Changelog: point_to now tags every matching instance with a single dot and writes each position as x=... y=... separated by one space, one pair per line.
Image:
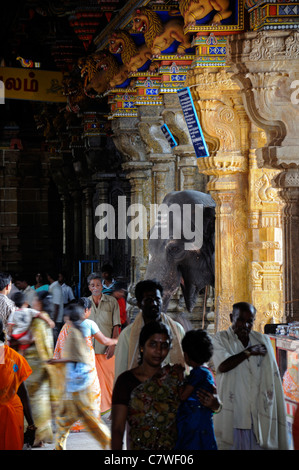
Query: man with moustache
x=253 y=414
x=148 y=294
x=105 y=313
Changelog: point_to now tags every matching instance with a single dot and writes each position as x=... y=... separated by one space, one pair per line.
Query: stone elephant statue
x=173 y=261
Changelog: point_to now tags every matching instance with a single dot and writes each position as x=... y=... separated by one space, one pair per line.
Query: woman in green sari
x=146 y=398
x=42 y=384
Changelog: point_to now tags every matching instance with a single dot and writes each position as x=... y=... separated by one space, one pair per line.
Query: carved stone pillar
x=138 y=173
x=266 y=65
x=88 y=226
x=162 y=171
x=137 y=170
x=101 y=197
x=158 y=151
x=265 y=245
x=227 y=186
x=225 y=125
x=187 y=176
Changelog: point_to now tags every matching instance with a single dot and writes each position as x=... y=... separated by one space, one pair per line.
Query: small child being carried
x=19 y=323
x=198 y=395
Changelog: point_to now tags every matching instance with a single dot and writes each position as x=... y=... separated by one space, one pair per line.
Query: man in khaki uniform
x=105 y=313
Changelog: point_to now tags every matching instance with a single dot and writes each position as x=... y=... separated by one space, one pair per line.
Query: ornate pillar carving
x=265 y=244
x=265 y=65
x=187 y=176
x=225 y=125
x=137 y=170
x=138 y=173
x=158 y=151
x=227 y=186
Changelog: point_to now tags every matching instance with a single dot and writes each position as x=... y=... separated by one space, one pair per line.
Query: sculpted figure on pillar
x=127 y=139
x=98 y=70
x=210 y=11
x=269 y=89
x=133 y=57
x=160 y=36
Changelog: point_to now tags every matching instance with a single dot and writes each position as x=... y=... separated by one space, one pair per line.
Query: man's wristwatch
x=247 y=353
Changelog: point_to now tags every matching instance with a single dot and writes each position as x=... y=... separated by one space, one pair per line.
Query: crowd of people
x=69 y=361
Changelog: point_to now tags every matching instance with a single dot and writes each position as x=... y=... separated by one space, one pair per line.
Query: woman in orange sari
x=14 y=401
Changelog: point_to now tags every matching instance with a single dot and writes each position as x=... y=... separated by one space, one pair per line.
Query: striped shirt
x=7 y=307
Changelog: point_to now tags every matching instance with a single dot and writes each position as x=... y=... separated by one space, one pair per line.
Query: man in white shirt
x=57 y=299
x=148 y=294
x=253 y=415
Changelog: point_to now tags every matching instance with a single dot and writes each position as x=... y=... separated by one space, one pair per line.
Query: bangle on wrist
x=218 y=410
x=247 y=353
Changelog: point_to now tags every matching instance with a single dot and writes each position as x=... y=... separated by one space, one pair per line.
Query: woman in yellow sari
x=43 y=382
x=14 y=401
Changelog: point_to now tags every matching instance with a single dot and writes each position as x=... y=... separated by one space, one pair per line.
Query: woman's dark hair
x=198 y=345
x=150 y=329
x=75 y=313
x=84 y=302
x=45 y=298
x=146 y=286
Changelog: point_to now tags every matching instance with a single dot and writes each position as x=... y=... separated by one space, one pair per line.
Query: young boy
x=19 y=323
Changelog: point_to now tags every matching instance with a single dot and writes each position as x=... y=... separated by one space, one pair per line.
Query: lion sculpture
x=99 y=70
x=74 y=92
x=134 y=57
x=159 y=36
x=192 y=10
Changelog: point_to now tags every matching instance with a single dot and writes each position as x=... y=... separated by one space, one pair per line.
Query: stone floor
x=82 y=440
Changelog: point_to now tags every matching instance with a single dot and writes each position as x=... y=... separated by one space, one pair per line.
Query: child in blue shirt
x=198 y=396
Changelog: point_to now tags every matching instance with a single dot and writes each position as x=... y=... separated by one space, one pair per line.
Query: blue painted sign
x=171 y=140
x=194 y=127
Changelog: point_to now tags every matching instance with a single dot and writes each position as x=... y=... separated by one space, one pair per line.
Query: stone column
x=138 y=174
x=158 y=151
x=88 y=226
x=227 y=186
x=219 y=104
x=137 y=170
x=101 y=197
x=265 y=244
x=265 y=64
